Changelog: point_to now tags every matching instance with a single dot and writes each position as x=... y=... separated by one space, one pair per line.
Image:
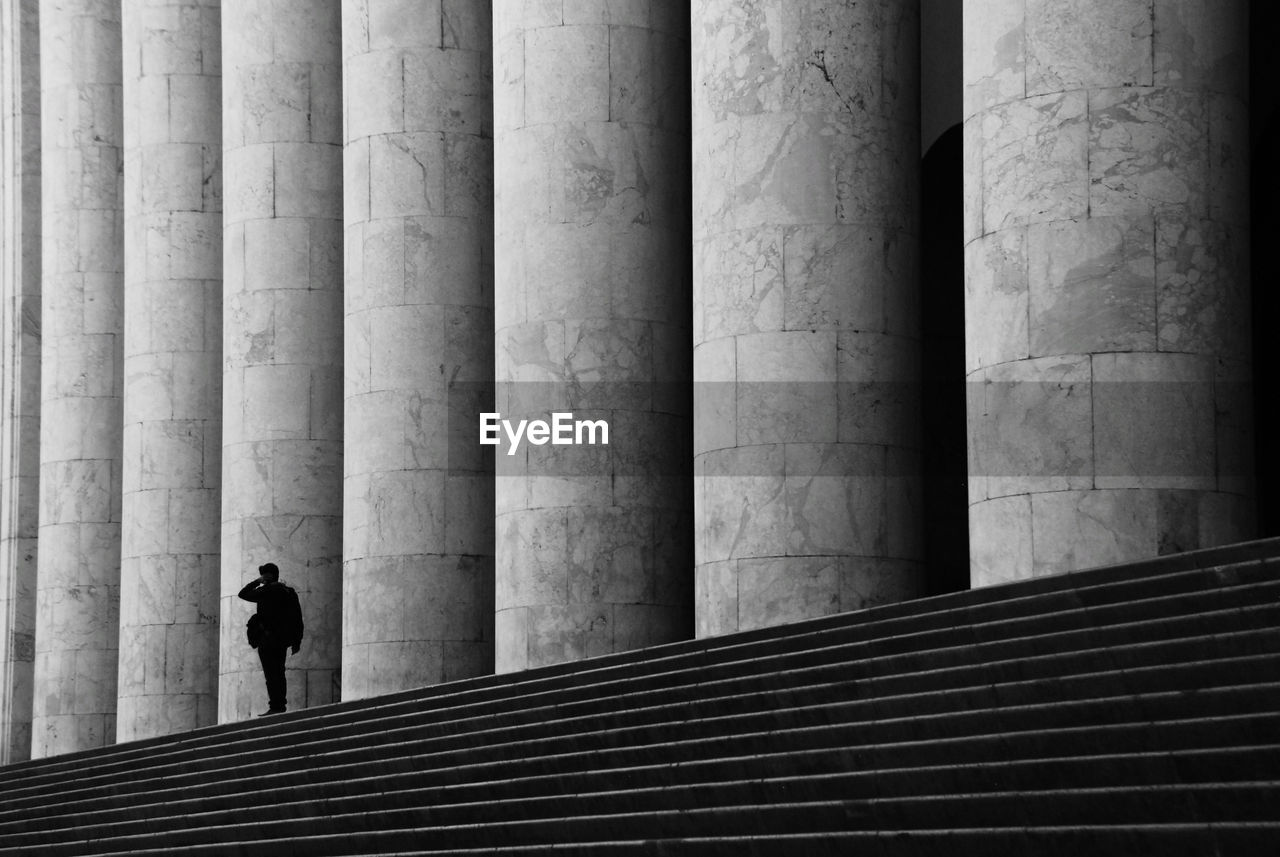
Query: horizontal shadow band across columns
x=1034 y=428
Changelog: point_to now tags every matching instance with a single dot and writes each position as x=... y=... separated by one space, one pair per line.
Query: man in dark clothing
x=276 y=627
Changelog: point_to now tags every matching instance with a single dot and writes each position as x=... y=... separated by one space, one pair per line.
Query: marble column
x=282 y=336
x=1107 y=279
x=78 y=590
x=806 y=317
x=417 y=502
x=20 y=382
x=593 y=541
x=169 y=568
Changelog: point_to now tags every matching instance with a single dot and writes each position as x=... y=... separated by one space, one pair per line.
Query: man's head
x=269 y=571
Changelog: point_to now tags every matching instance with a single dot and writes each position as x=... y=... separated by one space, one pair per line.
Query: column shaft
x=77 y=599
x=1107 y=281
x=282 y=334
x=806 y=316
x=418 y=501
x=173 y=344
x=593 y=544
x=20 y=382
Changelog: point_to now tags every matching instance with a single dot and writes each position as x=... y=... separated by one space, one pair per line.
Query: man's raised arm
x=250 y=590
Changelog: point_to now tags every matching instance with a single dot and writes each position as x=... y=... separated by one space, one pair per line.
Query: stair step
x=986 y=691
x=953 y=611
x=766 y=820
x=837 y=658
x=1173 y=840
x=1135 y=708
x=622 y=810
x=869 y=756
x=1148 y=802
x=491 y=781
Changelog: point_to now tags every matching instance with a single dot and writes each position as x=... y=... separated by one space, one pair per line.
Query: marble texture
x=806 y=309
x=591 y=211
x=1107 y=281
x=1092 y=286
x=1033 y=161
x=168 y=675
x=418 y=223
x=1084 y=44
x=20 y=381
x=281 y=455
x=78 y=590
x=1031 y=427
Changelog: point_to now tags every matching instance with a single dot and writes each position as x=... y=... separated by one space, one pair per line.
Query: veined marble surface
x=418 y=213
x=591 y=170
x=78 y=590
x=282 y=325
x=173 y=375
x=806 y=308
x=1107 y=281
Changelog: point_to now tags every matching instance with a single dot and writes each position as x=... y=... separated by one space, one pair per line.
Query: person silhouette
x=273 y=629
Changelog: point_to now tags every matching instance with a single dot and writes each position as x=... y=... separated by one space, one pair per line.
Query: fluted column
x=173 y=377
x=591 y=304
x=282 y=334
x=78 y=593
x=418 y=502
x=806 y=341
x=1107 y=280
x=20 y=382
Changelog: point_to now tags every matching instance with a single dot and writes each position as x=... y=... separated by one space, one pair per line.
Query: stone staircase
x=1127 y=710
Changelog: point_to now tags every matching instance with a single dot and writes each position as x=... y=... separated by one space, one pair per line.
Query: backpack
x=255 y=630
x=286 y=627
x=291 y=619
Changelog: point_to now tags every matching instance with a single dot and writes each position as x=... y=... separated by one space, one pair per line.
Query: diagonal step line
x=715 y=646
x=988 y=737
x=1146 y=705
x=333 y=812
x=302 y=845
x=299 y=752
x=1180 y=752
x=776 y=796
x=381 y=784
x=805 y=843
x=348 y=794
x=398 y=748
x=531 y=700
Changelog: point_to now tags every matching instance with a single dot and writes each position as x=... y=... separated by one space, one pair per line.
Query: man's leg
x=272 y=658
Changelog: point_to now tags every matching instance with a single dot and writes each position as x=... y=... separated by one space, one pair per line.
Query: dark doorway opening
x=1265 y=264
x=946 y=499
